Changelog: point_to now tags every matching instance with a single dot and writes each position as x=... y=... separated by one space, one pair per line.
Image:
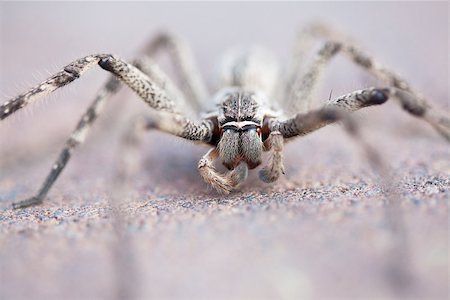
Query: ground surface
x=320 y=232
x=323 y=227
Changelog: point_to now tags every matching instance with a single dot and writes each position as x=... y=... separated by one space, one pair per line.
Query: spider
x=246 y=119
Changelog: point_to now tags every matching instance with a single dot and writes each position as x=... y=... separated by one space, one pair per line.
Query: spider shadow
x=169 y=165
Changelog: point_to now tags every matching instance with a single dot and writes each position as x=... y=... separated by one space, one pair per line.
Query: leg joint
x=106 y=63
x=74 y=71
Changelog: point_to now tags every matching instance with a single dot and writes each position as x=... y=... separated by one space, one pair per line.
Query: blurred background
x=320 y=232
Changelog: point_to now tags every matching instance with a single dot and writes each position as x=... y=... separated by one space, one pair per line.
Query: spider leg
x=272 y=171
x=192 y=83
x=149 y=67
x=305 y=40
x=223 y=183
x=305 y=123
x=135 y=79
x=149 y=91
x=129 y=157
x=301 y=88
x=76 y=138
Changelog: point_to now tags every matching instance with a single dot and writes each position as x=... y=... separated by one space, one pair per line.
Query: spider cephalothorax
x=244 y=123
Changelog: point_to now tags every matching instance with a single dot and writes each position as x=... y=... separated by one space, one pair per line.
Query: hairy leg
x=301 y=90
x=192 y=82
x=149 y=67
x=272 y=171
x=140 y=83
x=223 y=183
x=76 y=138
x=304 y=43
x=166 y=122
x=150 y=92
x=301 y=124
x=305 y=123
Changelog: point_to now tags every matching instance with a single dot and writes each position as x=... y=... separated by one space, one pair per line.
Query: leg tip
x=26 y=203
x=379 y=96
x=267 y=176
x=239 y=174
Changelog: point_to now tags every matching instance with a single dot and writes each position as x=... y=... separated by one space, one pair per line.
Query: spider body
x=247 y=80
x=240 y=122
x=257 y=108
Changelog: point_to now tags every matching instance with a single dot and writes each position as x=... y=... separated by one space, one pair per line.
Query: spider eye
x=253 y=128
x=229 y=129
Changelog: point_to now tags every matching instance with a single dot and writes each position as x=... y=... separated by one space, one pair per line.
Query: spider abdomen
x=251 y=68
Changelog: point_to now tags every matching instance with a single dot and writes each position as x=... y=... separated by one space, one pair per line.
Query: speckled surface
x=324 y=223
x=320 y=232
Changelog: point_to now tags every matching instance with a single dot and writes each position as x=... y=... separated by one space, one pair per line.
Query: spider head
x=240 y=128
